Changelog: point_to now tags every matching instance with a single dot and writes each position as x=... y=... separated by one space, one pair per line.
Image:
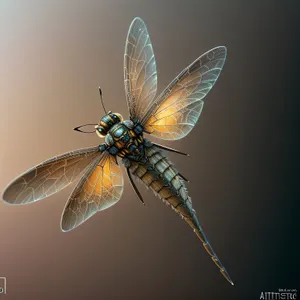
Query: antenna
x=100 y=92
x=78 y=128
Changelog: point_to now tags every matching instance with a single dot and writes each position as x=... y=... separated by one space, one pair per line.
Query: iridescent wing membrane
x=100 y=187
x=174 y=113
x=49 y=177
x=140 y=76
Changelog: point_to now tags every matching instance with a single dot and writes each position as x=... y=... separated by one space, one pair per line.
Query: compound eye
x=100 y=131
x=119 y=116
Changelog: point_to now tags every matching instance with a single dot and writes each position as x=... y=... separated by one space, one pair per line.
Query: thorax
x=124 y=138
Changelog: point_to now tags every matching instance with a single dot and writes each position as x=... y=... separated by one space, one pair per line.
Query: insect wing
x=175 y=112
x=140 y=75
x=49 y=177
x=100 y=188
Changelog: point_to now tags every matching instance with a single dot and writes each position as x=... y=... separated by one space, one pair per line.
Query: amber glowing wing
x=100 y=188
x=175 y=112
x=140 y=75
x=49 y=177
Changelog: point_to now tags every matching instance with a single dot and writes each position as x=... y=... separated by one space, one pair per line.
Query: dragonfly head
x=107 y=122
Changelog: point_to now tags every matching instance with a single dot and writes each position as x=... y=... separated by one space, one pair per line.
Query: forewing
x=49 y=177
x=140 y=75
x=175 y=112
x=100 y=188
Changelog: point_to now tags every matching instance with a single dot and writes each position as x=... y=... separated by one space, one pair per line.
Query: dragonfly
x=169 y=116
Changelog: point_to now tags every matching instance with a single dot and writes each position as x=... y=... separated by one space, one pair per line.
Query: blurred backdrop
x=243 y=165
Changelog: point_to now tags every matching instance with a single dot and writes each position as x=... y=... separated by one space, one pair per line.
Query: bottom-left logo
x=2 y=286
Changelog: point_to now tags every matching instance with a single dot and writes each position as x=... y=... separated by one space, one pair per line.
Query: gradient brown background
x=242 y=168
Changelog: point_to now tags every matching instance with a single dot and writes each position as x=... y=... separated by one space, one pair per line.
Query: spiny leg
x=169 y=149
x=134 y=186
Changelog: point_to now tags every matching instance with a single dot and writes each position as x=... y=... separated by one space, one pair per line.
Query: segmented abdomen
x=160 y=175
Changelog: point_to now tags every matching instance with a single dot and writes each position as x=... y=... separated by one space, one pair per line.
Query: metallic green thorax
x=125 y=139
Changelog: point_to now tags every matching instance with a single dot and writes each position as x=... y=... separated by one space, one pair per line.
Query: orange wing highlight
x=176 y=111
x=100 y=188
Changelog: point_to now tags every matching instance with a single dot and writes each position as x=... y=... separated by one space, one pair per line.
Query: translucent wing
x=100 y=188
x=175 y=112
x=49 y=177
x=140 y=75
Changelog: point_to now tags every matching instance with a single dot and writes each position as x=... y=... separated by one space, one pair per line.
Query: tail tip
x=226 y=275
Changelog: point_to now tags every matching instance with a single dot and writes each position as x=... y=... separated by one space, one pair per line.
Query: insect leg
x=134 y=186
x=183 y=177
x=169 y=149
